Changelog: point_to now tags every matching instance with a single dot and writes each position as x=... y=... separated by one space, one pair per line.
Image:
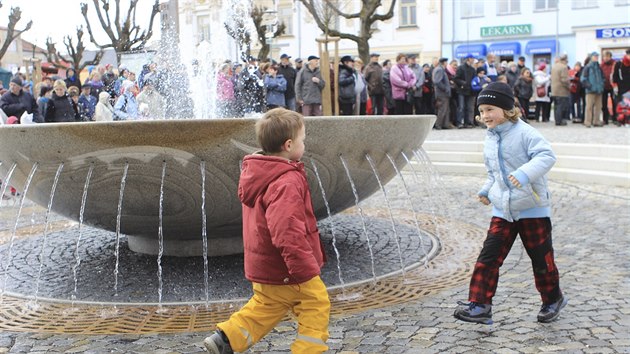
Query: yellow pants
x=270 y=303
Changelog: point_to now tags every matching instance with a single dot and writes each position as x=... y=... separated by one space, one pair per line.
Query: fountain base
x=228 y=242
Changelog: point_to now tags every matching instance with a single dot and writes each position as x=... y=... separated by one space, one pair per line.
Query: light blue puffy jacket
x=517 y=149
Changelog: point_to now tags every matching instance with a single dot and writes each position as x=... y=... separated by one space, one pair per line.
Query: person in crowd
x=126 y=107
x=308 y=88
x=542 y=82
x=45 y=93
x=298 y=64
x=60 y=106
x=621 y=76
x=360 y=88
x=151 y=104
x=225 y=92
x=374 y=78
x=442 y=88
x=282 y=247
x=123 y=74
x=503 y=68
x=87 y=102
x=16 y=101
x=451 y=71
x=251 y=87
x=512 y=73
x=480 y=81
x=560 y=86
x=143 y=72
x=518 y=159
x=466 y=99
x=524 y=90
x=502 y=78
x=592 y=80
x=74 y=93
x=289 y=73
x=96 y=84
x=521 y=64
x=387 y=88
x=104 y=111
x=109 y=80
x=576 y=96
x=427 y=90
x=417 y=90
x=275 y=87
x=238 y=108
x=72 y=79
x=607 y=65
x=492 y=72
x=403 y=82
x=347 y=83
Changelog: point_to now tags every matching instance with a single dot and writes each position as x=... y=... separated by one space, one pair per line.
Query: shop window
x=285 y=15
x=622 y=2
x=408 y=13
x=507 y=7
x=472 y=8
x=584 y=4
x=542 y=5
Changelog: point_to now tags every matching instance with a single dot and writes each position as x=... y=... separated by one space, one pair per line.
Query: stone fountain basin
x=183 y=144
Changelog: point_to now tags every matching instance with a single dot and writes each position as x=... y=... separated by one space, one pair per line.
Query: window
x=622 y=2
x=584 y=4
x=472 y=8
x=408 y=13
x=546 y=5
x=506 y=7
x=285 y=15
x=203 y=28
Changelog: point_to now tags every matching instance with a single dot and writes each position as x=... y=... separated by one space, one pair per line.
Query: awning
x=542 y=46
x=505 y=48
x=477 y=50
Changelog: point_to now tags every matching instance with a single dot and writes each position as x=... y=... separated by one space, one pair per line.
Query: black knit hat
x=497 y=94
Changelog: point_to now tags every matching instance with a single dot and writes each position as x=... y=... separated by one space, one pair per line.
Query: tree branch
x=12 y=34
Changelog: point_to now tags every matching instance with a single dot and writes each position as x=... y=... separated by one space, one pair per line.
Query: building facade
x=536 y=29
x=414 y=28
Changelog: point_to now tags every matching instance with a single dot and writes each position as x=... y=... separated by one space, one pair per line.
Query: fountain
x=127 y=160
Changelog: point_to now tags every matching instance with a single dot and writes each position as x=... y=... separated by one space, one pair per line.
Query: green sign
x=499 y=31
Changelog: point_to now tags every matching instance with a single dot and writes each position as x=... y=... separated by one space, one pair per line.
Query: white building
x=535 y=29
x=415 y=28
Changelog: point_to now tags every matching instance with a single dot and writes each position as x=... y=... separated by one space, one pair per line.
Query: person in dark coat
x=524 y=90
x=466 y=98
x=347 y=95
x=72 y=79
x=60 y=108
x=289 y=73
x=374 y=77
x=387 y=88
x=16 y=101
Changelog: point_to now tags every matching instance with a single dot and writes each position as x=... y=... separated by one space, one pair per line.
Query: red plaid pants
x=536 y=236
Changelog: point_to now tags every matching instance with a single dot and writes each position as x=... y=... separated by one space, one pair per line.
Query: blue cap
x=469 y=56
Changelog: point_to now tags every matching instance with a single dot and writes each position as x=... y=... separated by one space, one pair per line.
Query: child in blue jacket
x=518 y=159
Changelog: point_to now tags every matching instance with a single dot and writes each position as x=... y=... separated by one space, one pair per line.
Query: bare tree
x=261 y=31
x=12 y=33
x=241 y=35
x=325 y=12
x=75 y=54
x=124 y=34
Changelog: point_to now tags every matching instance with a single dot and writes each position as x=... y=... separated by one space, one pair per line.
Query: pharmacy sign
x=501 y=31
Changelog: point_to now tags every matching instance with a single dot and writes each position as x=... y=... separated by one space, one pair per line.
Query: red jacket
x=280 y=237
x=607 y=69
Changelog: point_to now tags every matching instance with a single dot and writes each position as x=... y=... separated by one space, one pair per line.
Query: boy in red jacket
x=283 y=251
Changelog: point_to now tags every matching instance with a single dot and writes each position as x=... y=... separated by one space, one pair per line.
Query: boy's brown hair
x=276 y=127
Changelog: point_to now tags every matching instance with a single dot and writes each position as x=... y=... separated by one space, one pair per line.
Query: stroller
x=623 y=109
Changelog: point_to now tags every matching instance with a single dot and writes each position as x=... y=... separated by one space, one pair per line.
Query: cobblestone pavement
x=592 y=245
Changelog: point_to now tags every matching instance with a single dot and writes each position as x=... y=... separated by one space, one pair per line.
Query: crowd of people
x=580 y=93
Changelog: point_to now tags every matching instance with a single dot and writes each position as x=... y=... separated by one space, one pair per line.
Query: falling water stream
x=356 y=202
x=46 y=224
x=204 y=238
x=331 y=222
x=411 y=207
x=391 y=214
x=77 y=256
x=17 y=220
x=161 y=237
x=123 y=181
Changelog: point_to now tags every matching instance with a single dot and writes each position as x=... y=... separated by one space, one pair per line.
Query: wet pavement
x=592 y=245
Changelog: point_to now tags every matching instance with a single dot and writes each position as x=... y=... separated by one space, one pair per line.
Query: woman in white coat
x=542 y=82
x=104 y=111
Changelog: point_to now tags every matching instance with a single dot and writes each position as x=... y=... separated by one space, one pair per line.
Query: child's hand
x=484 y=200
x=514 y=181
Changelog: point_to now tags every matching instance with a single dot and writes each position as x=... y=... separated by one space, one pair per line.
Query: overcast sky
x=59 y=18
